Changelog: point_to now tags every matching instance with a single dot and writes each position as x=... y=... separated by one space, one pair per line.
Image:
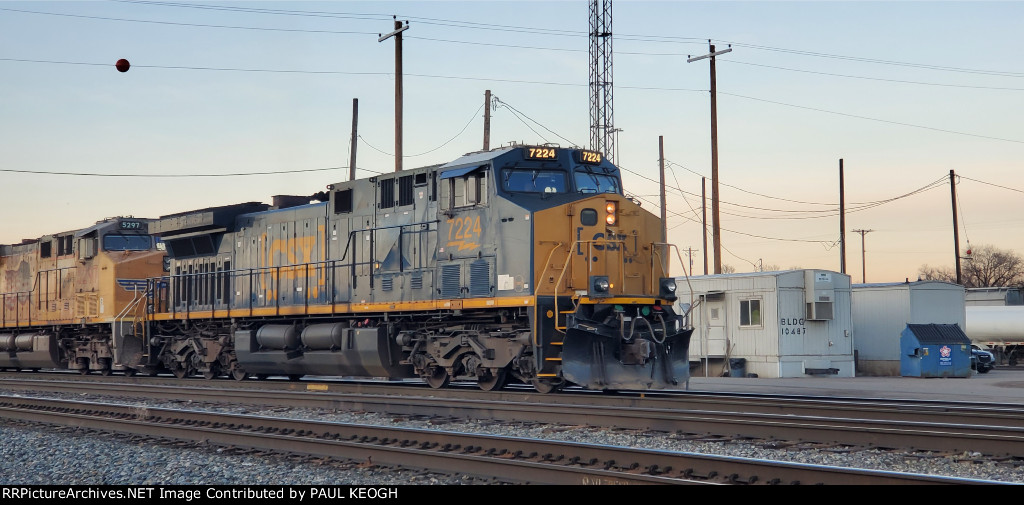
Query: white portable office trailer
x=793 y=323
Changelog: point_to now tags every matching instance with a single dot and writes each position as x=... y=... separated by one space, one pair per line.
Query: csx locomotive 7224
x=523 y=263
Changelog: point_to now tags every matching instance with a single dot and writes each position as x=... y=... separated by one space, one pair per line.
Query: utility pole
x=842 y=220
x=664 y=210
x=956 y=229
x=397 y=34
x=355 y=137
x=487 y=120
x=863 y=273
x=716 y=231
x=704 y=219
x=689 y=254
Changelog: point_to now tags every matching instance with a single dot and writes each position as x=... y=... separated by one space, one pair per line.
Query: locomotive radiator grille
x=451 y=281
x=480 y=278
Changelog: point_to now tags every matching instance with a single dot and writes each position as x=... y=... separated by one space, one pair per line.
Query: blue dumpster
x=934 y=350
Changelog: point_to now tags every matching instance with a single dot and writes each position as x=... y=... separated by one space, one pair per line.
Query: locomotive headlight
x=611 y=210
x=667 y=289
x=599 y=285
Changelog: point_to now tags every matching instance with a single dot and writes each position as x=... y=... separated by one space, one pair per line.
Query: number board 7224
x=541 y=153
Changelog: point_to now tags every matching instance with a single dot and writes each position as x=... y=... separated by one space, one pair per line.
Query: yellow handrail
x=565 y=267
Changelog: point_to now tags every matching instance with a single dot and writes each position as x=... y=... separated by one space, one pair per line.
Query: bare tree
x=927 y=273
x=987 y=266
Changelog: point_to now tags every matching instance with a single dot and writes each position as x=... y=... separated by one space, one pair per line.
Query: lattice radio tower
x=602 y=120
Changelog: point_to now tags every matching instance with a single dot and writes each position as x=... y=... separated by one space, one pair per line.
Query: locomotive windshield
x=535 y=181
x=118 y=242
x=588 y=182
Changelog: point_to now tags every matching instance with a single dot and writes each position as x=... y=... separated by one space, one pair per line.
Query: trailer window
x=750 y=312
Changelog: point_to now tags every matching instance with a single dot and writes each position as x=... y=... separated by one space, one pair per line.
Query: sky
x=229 y=101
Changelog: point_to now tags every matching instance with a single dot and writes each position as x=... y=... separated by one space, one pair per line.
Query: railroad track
x=508 y=459
x=992 y=430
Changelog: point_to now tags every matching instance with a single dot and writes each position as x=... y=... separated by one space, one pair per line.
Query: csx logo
x=607 y=244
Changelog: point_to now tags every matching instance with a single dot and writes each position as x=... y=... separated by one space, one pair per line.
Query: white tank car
x=998 y=327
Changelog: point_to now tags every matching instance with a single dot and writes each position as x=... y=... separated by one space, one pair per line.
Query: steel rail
x=511 y=459
x=902 y=429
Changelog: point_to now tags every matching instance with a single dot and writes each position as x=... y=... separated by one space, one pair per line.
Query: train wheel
x=493 y=381
x=295 y=377
x=437 y=377
x=83 y=371
x=213 y=371
x=261 y=376
x=545 y=386
x=238 y=374
x=106 y=370
x=130 y=372
x=180 y=372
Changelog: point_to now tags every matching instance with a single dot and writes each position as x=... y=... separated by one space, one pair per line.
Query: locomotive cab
x=588 y=256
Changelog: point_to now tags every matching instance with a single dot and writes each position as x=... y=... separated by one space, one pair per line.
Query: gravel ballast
x=56 y=455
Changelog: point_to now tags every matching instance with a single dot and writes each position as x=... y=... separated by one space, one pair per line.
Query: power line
x=748 y=191
x=875 y=78
x=875 y=119
x=562 y=32
x=457 y=135
x=519 y=81
x=517 y=113
x=877 y=61
x=195 y=25
x=990 y=184
x=236 y=174
x=859 y=206
x=498 y=27
x=736 y=231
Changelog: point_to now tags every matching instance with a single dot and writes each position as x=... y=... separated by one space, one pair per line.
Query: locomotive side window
x=343 y=201
x=64 y=245
x=464 y=191
x=45 y=249
x=589 y=182
x=114 y=242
